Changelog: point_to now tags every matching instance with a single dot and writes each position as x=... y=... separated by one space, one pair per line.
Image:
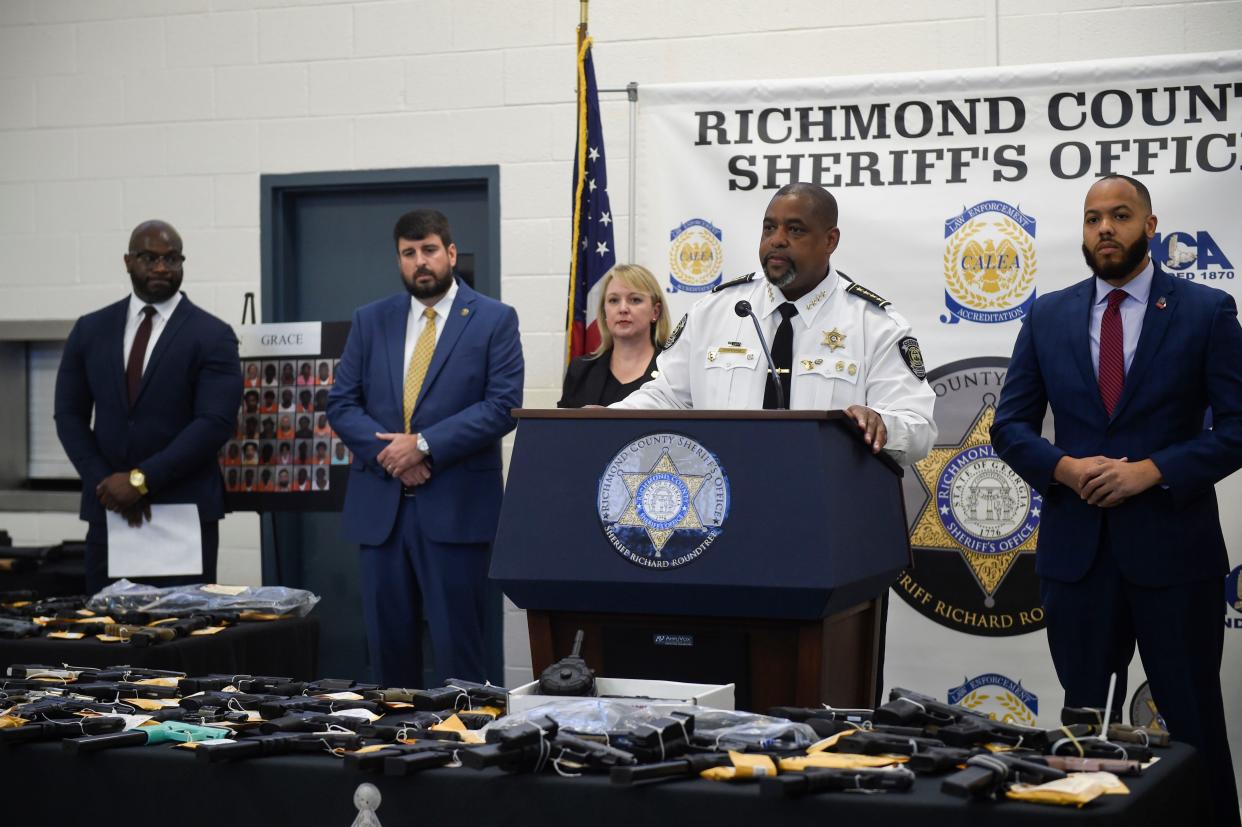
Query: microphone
x=743 y=309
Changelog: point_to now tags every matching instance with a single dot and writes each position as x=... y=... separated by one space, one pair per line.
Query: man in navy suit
x=423 y=395
x=164 y=382
x=1130 y=545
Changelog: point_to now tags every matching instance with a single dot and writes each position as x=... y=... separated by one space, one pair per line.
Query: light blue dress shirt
x=1133 y=308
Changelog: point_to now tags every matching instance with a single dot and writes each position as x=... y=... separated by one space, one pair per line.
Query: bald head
x=154 y=229
x=154 y=261
x=823 y=205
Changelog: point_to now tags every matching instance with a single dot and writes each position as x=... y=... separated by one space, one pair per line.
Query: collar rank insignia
x=834 y=339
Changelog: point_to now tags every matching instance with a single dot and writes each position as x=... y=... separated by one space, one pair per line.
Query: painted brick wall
x=113 y=111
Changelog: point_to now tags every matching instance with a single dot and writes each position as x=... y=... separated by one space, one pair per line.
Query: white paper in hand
x=170 y=543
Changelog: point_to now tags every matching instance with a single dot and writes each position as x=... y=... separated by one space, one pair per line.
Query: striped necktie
x=420 y=360
x=1112 y=352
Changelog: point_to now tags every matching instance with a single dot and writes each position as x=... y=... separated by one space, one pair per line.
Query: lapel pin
x=1160 y=303
x=465 y=311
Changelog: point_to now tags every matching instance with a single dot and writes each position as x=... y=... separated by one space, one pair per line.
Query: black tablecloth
x=289 y=648
x=148 y=785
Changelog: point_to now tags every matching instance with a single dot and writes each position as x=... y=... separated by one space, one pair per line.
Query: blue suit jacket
x=1189 y=358
x=185 y=410
x=463 y=409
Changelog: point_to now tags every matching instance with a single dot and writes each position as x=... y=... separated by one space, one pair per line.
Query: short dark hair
x=823 y=204
x=1138 y=185
x=417 y=224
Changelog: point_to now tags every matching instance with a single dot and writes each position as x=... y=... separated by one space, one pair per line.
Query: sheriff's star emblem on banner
x=977 y=506
x=662 y=501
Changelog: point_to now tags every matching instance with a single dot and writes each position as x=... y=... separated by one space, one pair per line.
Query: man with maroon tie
x=1132 y=361
x=162 y=379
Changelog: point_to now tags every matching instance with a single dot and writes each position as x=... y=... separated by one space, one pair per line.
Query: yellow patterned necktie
x=420 y=360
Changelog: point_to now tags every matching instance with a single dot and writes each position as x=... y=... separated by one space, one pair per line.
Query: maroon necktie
x=137 y=353
x=1112 y=352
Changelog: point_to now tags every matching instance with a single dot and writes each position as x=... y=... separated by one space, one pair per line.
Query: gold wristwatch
x=138 y=480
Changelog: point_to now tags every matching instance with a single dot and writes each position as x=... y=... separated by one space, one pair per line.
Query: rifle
x=798 y=784
x=140 y=736
x=986 y=775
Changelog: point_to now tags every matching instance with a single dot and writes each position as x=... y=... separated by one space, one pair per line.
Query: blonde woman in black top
x=633 y=328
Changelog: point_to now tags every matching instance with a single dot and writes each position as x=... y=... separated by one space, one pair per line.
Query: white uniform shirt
x=717 y=361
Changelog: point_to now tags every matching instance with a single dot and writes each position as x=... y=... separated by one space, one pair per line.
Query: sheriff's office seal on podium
x=975 y=521
x=663 y=499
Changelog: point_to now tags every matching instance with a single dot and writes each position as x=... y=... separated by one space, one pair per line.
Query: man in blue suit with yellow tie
x=422 y=397
x=1130 y=545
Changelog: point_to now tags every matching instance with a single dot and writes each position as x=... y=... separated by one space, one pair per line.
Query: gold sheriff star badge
x=662 y=501
x=834 y=339
x=977 y=506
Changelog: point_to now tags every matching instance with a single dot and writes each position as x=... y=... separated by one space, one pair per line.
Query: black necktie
x=138 y=353
x=782 y=356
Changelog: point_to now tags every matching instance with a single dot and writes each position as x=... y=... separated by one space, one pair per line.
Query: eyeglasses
x=172 y=261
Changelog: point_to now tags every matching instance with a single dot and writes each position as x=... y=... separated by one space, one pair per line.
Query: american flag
x=594 y=252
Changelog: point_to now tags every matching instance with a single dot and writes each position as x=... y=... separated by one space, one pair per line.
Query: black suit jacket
x=586 y=377
x=185 y=410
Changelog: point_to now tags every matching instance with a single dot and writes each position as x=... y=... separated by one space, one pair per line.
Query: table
x=159 y=784
x=289 y=648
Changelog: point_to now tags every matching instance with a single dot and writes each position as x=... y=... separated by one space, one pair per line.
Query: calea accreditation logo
x=989 y=264
x=663 y=499
x=998 y=697
x=976 y=521
x=695 y=257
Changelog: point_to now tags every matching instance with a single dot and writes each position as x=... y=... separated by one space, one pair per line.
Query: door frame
x=276 y=195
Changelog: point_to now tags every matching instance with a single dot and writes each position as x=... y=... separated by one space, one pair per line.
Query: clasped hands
x=116 y=494
x=1106 y=482
x=402 y=459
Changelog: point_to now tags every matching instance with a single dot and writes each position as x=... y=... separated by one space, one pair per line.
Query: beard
x=437 y=288
x=1131 y=258
x=782 y=281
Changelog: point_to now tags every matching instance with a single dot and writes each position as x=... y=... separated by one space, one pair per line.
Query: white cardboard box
x=632 y=691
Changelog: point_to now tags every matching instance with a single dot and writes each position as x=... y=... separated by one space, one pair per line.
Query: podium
x=753 y=547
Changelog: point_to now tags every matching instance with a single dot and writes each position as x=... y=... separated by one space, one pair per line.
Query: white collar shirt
x=133 y=318
x=416 y=321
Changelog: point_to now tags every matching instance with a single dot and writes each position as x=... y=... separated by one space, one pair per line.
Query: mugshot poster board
x=283 y=455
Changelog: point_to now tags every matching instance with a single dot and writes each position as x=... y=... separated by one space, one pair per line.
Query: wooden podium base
x=835 y=660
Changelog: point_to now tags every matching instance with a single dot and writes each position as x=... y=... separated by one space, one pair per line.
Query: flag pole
x=580 y=88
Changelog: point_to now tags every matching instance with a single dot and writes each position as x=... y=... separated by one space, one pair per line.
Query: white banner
x=960 y=199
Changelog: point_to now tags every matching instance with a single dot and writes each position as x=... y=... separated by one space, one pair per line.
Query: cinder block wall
x=114 y=111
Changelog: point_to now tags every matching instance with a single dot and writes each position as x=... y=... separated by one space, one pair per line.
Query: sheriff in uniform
x=843 y=346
